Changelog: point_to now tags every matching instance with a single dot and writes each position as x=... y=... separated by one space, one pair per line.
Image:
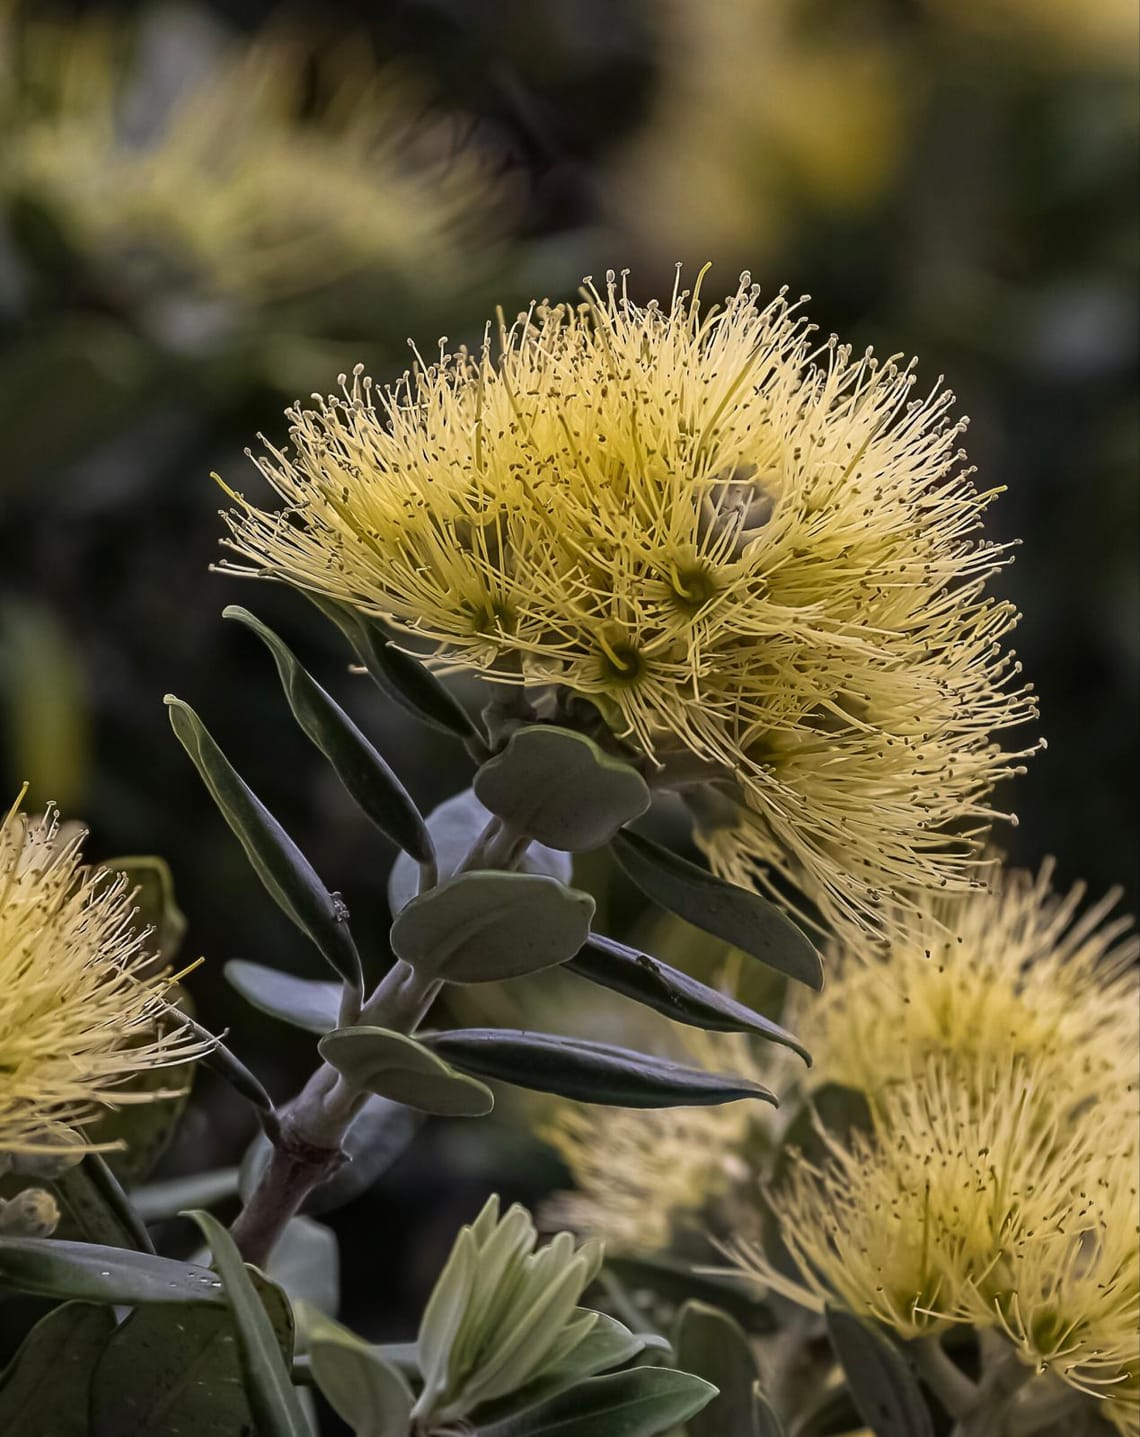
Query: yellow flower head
x=250 y=181
x=76 y=1017
x=746 y=550
x=1013 y=972
x=984 y=1207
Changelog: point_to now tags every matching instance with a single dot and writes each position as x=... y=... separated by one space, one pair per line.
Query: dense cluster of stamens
x=80 y=1008
x=738 y=544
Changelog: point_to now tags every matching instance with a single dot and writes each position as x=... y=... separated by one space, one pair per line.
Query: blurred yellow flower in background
x=79 y=1003
x=262 y=175
x=762 y=114
x=744 y=547
x=989 y=1208
x=1015 y=972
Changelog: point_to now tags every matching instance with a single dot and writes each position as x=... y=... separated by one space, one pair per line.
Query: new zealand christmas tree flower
x=77 y=1013
x=757 y=556
x=987 y=1207
x=1017 y=971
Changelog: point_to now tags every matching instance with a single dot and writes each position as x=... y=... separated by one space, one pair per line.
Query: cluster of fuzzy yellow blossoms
x=996 y=1039
x=79 y=1005
x=248 y=181
x=752 y=553
x=990 y=1208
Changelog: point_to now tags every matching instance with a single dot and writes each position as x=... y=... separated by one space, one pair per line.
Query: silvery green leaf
x=454 y=827
x=880 y=1381
x=734 y=914
x=643 y=1402
x=369 y=780
x=586 y=1071
x=265 y=1376
x=560 y=788
x=667 y=990
x=306 y=1264
x=400 y=1068
x=708 y=1342
x=397 y=674
x=155 y=1201
x=94 y=1273
x=302 y=1002
x=364 y=1391
x=608 y=1344
x=288 y=876
x=484 y=927
x=442 y=1318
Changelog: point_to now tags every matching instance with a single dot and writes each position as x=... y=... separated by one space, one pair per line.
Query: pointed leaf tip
x=734 y=914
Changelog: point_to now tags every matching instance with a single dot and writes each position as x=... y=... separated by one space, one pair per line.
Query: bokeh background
x=207 y=211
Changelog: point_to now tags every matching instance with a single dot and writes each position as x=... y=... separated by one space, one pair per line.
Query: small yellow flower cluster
x=742 y=548
x=245 y=182
x=76 y=1015
x=990 y=1208
x=1016 y=974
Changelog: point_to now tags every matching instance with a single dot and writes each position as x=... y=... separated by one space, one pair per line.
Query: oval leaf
x=879 y=1378
x=363 y=1389
x=454 y=827
x=276 y=1409
x=734 y=914
x=398 y=675
x=709 y=1343
x=667 y=990
x=161 y=1200
x=366 y=776
x=643 y=1402
x=588 y=1072
x=305 y=1264
x=400 y=1068
x=560 y=788
x=94 y=1273
x=287 y=874
x=44 y=1389
x=302 y=1002
x=483 y=927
